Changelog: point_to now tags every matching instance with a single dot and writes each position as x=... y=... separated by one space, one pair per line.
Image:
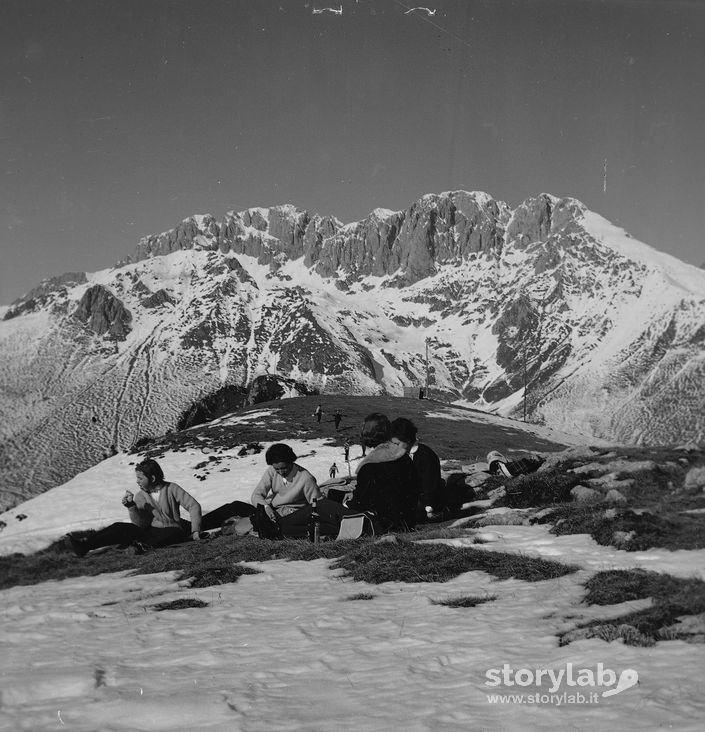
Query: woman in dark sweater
x=427 y=465
x=387 y=482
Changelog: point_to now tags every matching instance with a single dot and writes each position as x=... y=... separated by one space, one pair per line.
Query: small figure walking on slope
x=337 y=417
x=346 y=450
x=318 y=413
x=333 y=470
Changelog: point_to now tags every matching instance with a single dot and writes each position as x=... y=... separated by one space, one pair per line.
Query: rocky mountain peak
x=410 y=244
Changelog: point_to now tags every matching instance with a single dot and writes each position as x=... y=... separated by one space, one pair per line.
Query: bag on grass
x=355 y=525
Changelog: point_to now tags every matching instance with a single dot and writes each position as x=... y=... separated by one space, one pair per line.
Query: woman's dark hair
x=279 y=453
x=153 y=471
x=376 y=429
x=404 y=429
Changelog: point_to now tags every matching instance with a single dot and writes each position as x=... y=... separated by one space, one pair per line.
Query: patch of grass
x=405 y=561
x=623 y=585
x=362 y=596
x=181 y=604
x=468 y=601
x=645 y=529
x=203 y=563
x=440 y=531
x=609 y=632
x=207 y=575
x=673 y=598
x=539 y=489
x=462 y=440
x=220 y=560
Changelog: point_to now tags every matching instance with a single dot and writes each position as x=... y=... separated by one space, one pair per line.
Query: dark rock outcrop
x=531 y=221
x=265 y=388
x=185 y=236
x=225 y=400
x=157 y=299
x=103 y=313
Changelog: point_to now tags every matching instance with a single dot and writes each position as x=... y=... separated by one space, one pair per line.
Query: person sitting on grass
x=387 y=485
x=387 y=482
x=284 y=489
x=427 y=465
x=154 y=515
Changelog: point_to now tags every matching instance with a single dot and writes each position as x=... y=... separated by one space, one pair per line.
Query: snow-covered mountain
x=606 y=333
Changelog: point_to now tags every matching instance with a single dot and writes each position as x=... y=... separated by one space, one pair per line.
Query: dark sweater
x=428 y=466
x=388 y=484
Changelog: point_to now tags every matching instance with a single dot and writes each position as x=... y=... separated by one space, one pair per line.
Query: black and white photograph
x=352 y=365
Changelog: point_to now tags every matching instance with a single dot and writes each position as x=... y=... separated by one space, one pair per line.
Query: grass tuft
x=181 y=604
x=468 y=601
x=673 y=598
x=362 y=596
x=645 y=529
x=207 y=575
x=539 y=489
x=406 y=561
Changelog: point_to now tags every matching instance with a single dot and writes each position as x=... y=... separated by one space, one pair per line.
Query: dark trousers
x=296 y=524
x=126 y=533
x=216 y=518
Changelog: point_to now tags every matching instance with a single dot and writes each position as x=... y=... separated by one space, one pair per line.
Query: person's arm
x=259 y=495
x=428 y=471
x=363 y=494
x=141 y=512
x=191 y=505
x=311 y=490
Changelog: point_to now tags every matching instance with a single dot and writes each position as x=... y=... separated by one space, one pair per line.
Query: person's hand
x=128 y=499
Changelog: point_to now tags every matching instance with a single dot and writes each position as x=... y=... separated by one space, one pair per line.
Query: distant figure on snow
x=333 y=470
x=318 y=413
x=346 y=450
x=337 y=417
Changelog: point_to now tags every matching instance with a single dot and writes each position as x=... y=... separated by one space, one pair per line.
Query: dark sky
x=120 y=118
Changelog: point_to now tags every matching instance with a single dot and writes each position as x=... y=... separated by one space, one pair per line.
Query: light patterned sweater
x=297 y=489
x=161 y=509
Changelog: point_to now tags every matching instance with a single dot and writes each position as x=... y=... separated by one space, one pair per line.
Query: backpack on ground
x=355 y=525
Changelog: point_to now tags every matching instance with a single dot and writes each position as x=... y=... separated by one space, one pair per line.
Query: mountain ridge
x=546 y=309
